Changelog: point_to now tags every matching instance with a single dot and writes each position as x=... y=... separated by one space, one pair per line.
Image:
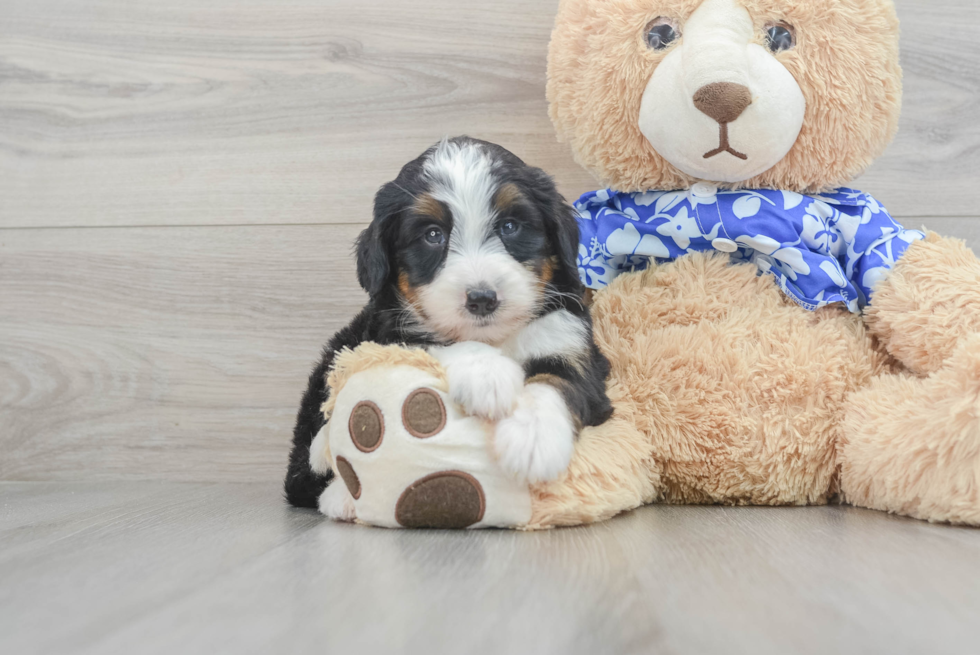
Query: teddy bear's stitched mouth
x=724 y=145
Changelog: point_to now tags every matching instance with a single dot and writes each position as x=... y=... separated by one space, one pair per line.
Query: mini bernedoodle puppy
x=472 y=254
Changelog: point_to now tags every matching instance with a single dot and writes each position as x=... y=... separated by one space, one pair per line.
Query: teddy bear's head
x=790 y=94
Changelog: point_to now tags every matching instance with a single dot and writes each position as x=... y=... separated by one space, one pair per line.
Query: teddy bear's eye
x=781 y=37
x=661 y=32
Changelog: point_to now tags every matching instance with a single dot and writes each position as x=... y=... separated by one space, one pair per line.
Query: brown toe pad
x=366 y=426
x=423 y=413
x=444 y=500
x=349 y=477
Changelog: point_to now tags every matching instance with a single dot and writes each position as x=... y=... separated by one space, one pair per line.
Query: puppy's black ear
x=374 y=244
x=561 y=224
x=567 y=239
x=372 y=261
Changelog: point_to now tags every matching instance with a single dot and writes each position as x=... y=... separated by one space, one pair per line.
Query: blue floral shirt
x=821 y=249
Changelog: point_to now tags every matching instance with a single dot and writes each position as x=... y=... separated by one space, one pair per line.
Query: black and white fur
x=472 y=254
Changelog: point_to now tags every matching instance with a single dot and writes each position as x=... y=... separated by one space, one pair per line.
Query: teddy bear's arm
x=929 y=304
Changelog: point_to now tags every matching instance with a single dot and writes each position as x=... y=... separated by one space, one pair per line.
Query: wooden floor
x=203 y=568
x=180 y=183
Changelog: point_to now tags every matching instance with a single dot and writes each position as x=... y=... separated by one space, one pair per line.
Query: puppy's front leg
x=483 y=380
x=536 y=442
x=336 y=503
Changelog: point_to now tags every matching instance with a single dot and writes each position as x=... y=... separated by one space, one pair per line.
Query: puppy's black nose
x=482 y=302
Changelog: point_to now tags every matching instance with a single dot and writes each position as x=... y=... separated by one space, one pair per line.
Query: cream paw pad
x=406 y=456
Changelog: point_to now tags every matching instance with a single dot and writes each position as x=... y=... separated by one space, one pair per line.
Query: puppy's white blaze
x=462 y=176
x=558 y=334
x=536 y=443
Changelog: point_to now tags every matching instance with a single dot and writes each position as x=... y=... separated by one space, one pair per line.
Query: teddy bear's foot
x=405 y=454
x=912 y=445
x=536 y=443
x=482 y=380
x=924 y=309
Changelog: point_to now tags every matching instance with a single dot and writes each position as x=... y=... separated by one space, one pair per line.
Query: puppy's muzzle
x=482 y=302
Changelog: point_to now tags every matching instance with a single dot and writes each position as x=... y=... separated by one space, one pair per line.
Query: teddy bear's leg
x=929 y=304
x=912 y=445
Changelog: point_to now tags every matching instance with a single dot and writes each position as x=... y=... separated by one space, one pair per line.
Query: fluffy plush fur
x=471 y=253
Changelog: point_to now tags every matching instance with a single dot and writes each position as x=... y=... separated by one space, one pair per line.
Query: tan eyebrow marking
x=426 y=205
x=506 y=196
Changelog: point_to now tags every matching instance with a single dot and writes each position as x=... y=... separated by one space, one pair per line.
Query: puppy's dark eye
x=781 y=37
x=434 y=236
x=509 y=228
x=661 y=32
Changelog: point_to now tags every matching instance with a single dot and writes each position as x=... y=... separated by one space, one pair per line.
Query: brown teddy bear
x=774 y=339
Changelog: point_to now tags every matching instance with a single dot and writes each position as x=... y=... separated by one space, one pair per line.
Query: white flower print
x=669 y=200
x=593 y=266
x=834 y=272
x=872 y=204
x=631 y=214
x=817 y=232
x=791 y=200
x=682 y=227
x=746 y=207
x=748 y=204
x=627 y=241
x=874 y=276
x=848 y=226
x=792 y=258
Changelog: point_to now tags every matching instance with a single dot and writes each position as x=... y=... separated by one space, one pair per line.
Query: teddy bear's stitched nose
x=723 y=101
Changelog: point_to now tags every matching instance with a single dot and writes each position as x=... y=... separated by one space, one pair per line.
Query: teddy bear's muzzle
x=720 y=106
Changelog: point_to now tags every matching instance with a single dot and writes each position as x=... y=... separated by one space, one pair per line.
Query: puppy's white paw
x=536 y=443
x=336 y=502
x=483 y=380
